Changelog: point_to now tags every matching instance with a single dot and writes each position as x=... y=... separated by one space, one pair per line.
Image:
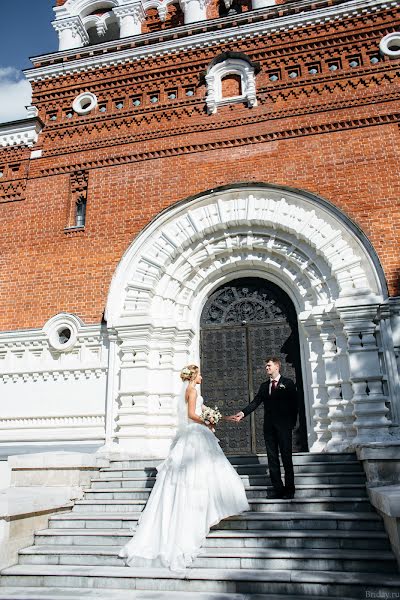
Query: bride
x=196 y=487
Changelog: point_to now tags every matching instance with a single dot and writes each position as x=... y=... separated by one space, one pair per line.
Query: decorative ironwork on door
x=242 y=323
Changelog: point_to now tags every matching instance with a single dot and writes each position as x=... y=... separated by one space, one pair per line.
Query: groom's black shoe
x=288 y=496
x=276 y=495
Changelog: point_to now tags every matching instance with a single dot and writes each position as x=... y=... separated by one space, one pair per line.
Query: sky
x=25 y=31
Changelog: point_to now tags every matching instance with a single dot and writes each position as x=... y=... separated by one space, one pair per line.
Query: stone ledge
x=28 y=501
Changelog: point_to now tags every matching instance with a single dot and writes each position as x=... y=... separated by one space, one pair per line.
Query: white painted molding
x=206 y=39
x=390 y=45
x=230 y=66
x=71 y=33
x=130 y=18
x=84 y=103
x=20 y=133
x=58 y=324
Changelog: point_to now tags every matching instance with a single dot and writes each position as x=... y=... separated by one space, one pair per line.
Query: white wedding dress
x=196 y=487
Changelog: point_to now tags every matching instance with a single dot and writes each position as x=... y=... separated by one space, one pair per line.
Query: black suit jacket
x=280 y=407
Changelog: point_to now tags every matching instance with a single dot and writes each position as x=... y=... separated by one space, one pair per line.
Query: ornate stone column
x=262 y=3
x=370 y=410
x=111 y=395
x=149 y=384
x=338 y=385
x=319 y=408
x=130 y=18
x=194 y=10
x=71 y=33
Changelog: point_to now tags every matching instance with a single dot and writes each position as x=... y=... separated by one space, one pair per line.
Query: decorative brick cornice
x=197 y=107
x=206 y=36
x=11 y=191
x=273 y=136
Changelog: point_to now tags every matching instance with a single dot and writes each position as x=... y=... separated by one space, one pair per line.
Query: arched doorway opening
x=242 y=323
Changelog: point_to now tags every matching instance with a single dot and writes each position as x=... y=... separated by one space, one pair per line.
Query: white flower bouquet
x=210 y=416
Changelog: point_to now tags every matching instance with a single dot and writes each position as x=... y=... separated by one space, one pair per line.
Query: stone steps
x=248 y=480
x=256 y=504
x=242 y=469
x=266 y=538
x=337 y=584
x=247 y=520
x=51 y=593
x=254 y=491
x=254 y=459
x=326 y=542
x=225 y=558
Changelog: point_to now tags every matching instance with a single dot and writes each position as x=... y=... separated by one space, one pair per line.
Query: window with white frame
x=229 y=81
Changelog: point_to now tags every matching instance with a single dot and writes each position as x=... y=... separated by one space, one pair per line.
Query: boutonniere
x=282 y=386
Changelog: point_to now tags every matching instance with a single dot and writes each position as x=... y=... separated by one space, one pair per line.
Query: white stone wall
x=52 y=395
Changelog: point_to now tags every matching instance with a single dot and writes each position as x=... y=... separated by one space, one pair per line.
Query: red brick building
x=172 y=150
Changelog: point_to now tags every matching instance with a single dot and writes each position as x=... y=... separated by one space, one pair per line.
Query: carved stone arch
x=292 y=238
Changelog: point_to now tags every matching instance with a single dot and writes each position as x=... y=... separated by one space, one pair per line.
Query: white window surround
x=388 y=42
x=80 y=102
x=54 y=327
x=230 y=66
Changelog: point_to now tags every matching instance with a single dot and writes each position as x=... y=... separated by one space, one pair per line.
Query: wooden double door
x=242 y=323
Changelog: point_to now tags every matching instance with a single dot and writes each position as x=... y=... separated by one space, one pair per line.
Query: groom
x=280 y=414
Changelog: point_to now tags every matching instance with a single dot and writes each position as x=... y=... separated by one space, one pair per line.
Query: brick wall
x=334 y=133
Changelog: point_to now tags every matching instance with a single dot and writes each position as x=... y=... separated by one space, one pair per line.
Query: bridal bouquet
x=211 y=416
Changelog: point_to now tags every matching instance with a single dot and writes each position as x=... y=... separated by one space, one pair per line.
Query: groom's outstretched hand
x=237 y=417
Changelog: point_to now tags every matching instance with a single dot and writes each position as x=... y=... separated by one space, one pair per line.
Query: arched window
x=229 y=81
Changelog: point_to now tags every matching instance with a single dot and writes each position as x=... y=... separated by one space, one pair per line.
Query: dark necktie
x=274 y=383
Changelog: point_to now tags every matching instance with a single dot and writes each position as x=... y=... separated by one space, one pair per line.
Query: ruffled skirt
x=196 y=487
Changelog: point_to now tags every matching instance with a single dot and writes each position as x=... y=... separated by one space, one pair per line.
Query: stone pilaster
x=194 y=10
x=130 y=18
x=71 y=33
x=369 y=400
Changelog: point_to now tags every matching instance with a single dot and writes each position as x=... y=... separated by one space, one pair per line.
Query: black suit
x=280 y=415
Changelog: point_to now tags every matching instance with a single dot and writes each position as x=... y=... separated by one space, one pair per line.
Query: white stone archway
x=292 y=238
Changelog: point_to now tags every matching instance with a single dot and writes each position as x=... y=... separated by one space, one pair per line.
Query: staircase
x=327 y=542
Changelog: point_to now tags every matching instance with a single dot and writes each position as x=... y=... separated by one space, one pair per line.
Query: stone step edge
x=272 y=515
x=223 y=552
x=300 y=486
x=228 y=533
x=40 y=593
x=296 y=500
x=239 y=465
x=242 y=475
x=206 y=574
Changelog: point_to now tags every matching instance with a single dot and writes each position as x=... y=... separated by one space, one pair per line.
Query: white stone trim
x=20 y=133
x=82 y=99
x=230 y=66
x=206 y=39
x=71 y=33
x=293 y=239
x=386 y=43
x=56 y=324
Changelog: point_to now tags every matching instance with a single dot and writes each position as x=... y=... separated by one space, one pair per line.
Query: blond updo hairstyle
x=189 y=373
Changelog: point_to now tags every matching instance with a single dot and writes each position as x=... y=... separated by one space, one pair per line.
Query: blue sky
x=25 y=31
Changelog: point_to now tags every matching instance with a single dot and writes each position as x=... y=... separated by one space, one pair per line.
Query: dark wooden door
x=242 y=324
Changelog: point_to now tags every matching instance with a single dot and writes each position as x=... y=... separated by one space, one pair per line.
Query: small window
x=154 y=98
x=274 y=76
x=52 y=116
x=354 y=61
x=102 y=108
x=231 y=86
x=15 y=167
x=136 y=101
x=69 y=114
x=293 y=73
x=334 y=65
x=172 y=94
x=80 y=218
x=1 y=171
x=189 y=92
x=119 y=104
x=314 y=69
x=374 y=59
